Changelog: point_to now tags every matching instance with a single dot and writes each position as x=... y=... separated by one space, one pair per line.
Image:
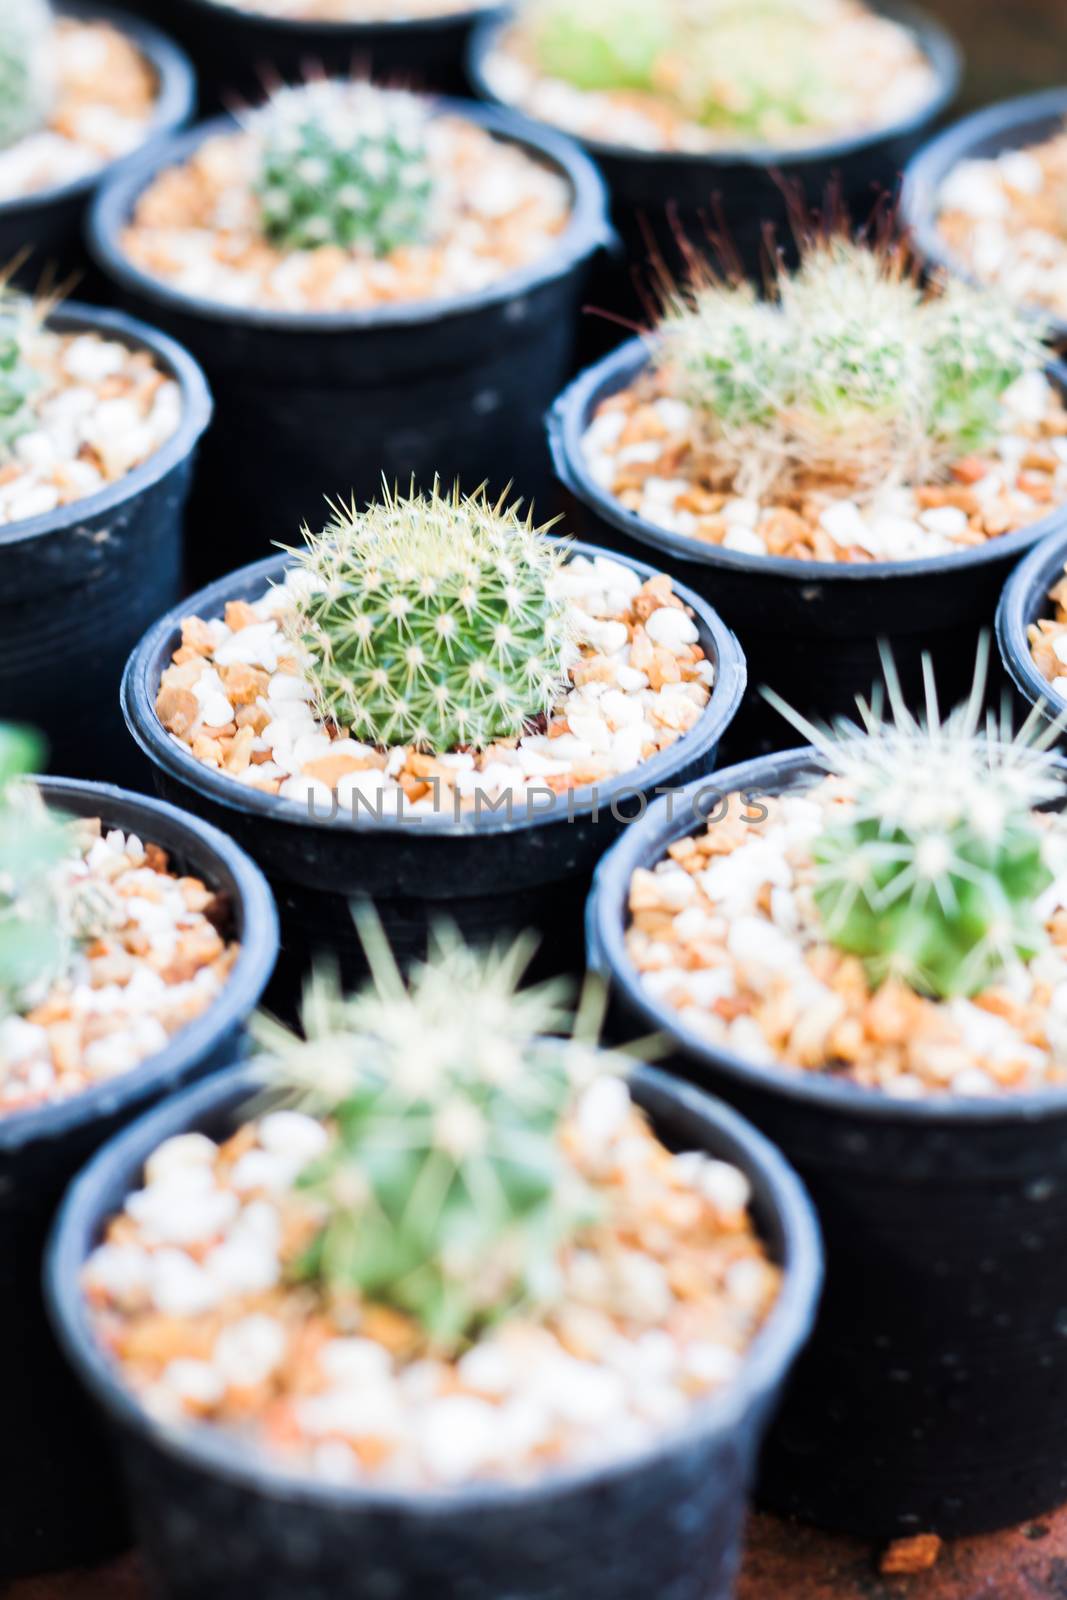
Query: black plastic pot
x=81 y=583
x=44 y=230
x=491 y=875
x=216 y=1522
x=655 y=192
x=1013 y=125
x=61 y=1504
x=930 y=1397
x=1024 y=600
x=326 y=404
x=238 y=52
x=811 y=629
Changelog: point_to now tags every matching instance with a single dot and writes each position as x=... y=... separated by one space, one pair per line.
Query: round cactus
x=979 y=345
x=600 y=44
x=931 y=869
x=25 y=68
x=19 y=323
x=723 y=347
x=33 y=941
x=444 y=1191
x=432 y=621
x=344 y=164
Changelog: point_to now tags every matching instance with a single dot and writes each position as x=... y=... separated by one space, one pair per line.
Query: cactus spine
x=344 y=164
x=431 y=620
x=444 y=1191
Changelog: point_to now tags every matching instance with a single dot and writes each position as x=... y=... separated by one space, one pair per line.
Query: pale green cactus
x=445 y=1191
x=33 y=942
x=979 y=346
x=19 y=325
x=25 y=67
x=601 y=44
x=432 y=620
x=344 y=163
x=932 y=873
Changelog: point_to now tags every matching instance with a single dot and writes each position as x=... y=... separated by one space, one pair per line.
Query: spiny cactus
x=444 y=1191
x=750 y=69
x=851 y=373
x=431 y=620
x=25 y=70
x=601 y=44
x=931 y=873
x=19 y=324
x=343 y=164
x=33 y=941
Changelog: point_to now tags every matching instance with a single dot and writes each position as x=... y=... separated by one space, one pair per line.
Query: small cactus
x=431 y=620
x=444 y=1191
x=33 y=940
x=600 y=44
x=750 y=69
x=25 y=75
x=19 y=324
x=931 y=873
x=850 y=373
x=344 y=164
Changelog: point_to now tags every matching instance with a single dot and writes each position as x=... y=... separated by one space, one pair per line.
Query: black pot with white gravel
x=60 y=154
x=812 y=628
x=240 y=47
x=494 y=835
x=61 y=1501
x=1030 y=628
x=334 y=368
x=91 y=519
x=928 y=1399
x=658 y=1514
x=678 y=180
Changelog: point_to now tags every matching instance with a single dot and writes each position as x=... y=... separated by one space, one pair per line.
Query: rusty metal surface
x=783 y=1562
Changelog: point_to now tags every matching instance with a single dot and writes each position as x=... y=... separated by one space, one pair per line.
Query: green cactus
x=19 y=324
x=751 y=69
x=979 y=346
x=432 y=620
x=33 y=941
x=931 y=874
x=25 y=76
x=444 y=1191
x=344 y=164
x=723 y=347
x=601 y=44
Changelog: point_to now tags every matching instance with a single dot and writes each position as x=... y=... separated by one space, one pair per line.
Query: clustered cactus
x=851 y=372
x=25 y=75
x=931 y=873
x=432 y=620
x=19 y=324
x=748 y=67
x=344 y=164
x=444 y=1191
x=33 y=941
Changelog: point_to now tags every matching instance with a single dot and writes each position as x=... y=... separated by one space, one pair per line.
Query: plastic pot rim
x=293 y=27
x=935 y=41
x=174 y=102
x=587 y=230
x=240 y=993
x=565 y=424
x=643 y=845
x=762 y=1371
x=196 y=412
x=928 y=169
x=138 y=707
x=1035 y=572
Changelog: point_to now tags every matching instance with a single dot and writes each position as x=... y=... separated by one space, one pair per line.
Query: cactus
x=343 y=164
x=851 y=373
x=444 y=1191
x=930 y=874
x=432 y=621
x=19 y=324
x=25 y=76
x=752 y=70
x=33 y=943
x=600 y=44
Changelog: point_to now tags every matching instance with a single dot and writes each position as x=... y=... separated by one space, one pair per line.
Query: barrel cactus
x=444 y=1191
x=344 y=164
x=432 y=620
x=25 y=75
x=19 y=323
x=931 y=873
